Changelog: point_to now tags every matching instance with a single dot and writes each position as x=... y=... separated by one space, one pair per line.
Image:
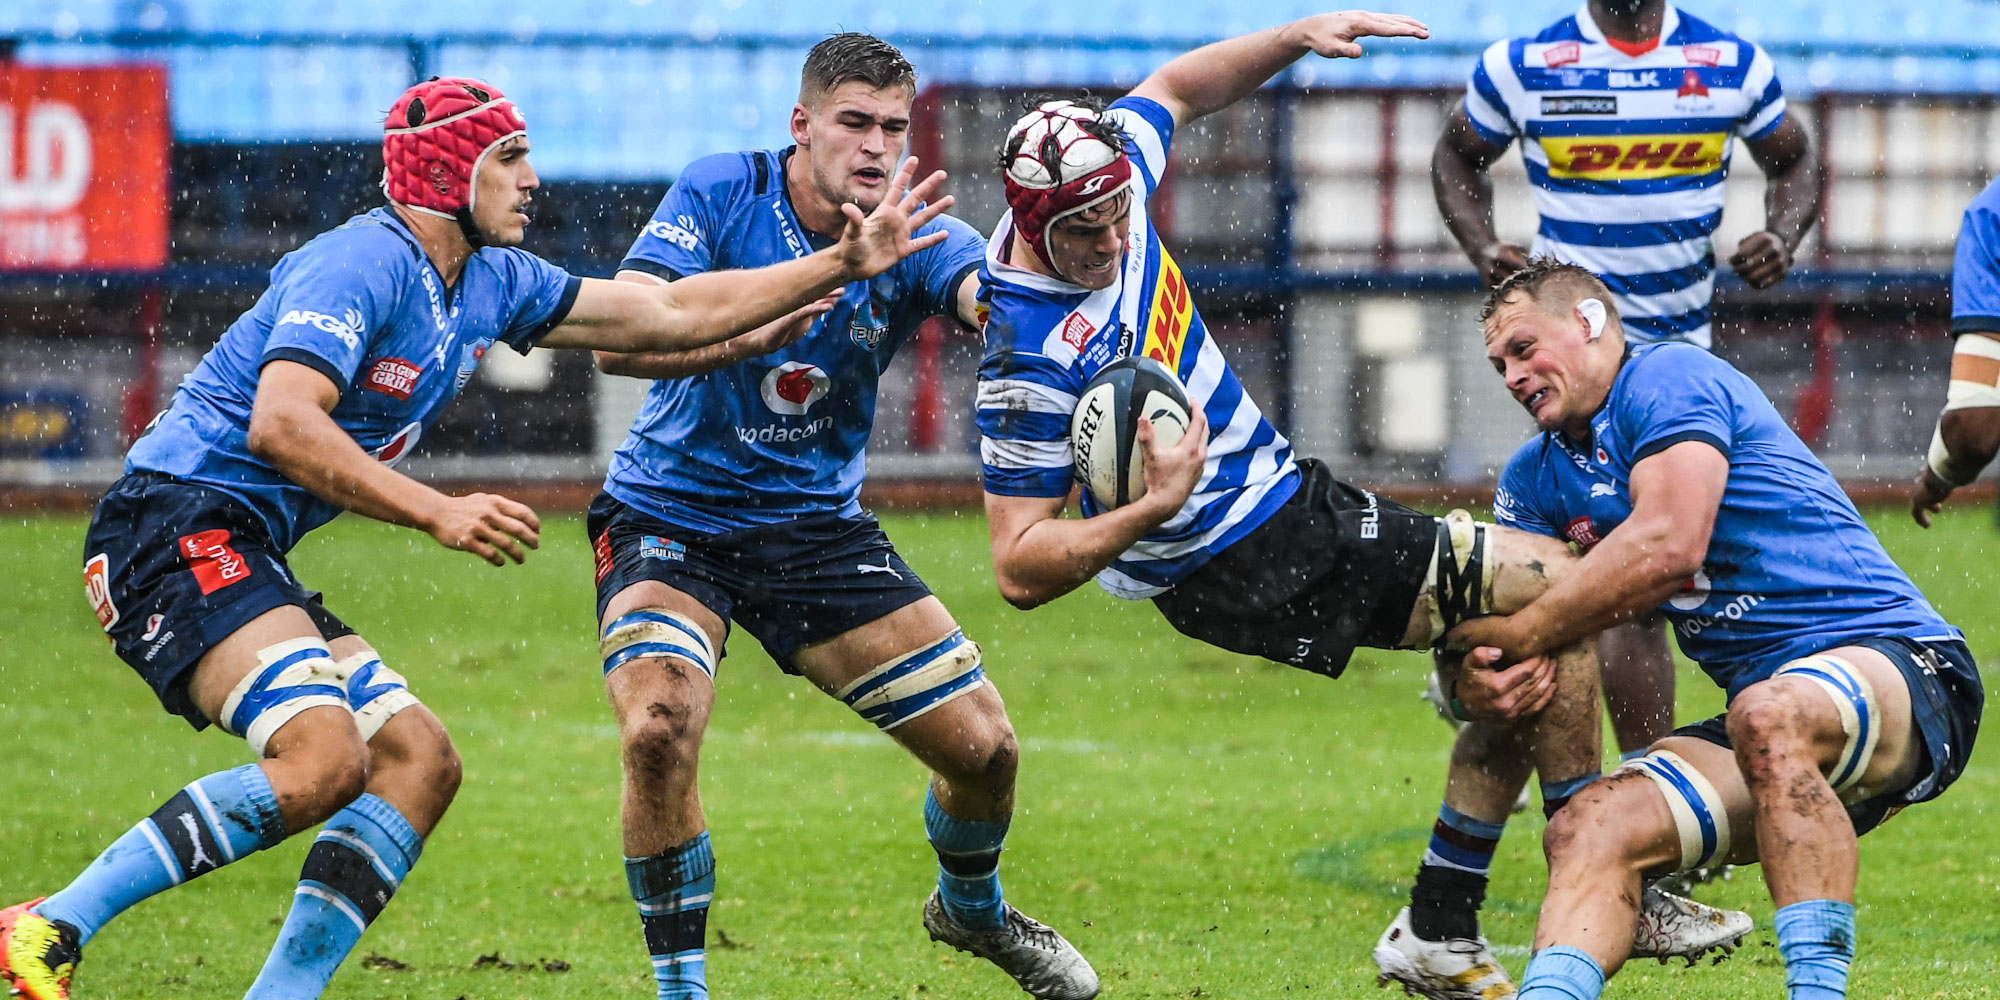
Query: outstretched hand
x=1927 y=496
x=1333 y=35
x=874 y=242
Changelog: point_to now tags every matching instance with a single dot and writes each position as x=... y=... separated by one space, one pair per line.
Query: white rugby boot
x=1671 y=926
x=1434 y=693
x=1032 y=952
x=1453 y=969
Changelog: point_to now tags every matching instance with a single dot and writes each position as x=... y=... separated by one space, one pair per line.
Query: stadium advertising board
x=83 y=167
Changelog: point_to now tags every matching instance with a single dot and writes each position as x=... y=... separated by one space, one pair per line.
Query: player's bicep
x=1009 y=518
x=292 y=400
x=1468 y=144
x=1677 y=491
x=1779 y=149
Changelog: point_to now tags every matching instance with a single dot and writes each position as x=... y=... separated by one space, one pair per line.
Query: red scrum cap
x=1061 y=159
x=435 y=137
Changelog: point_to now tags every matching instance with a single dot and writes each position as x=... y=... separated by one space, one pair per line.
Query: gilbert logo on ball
x=793 y=387
x=1104 y=429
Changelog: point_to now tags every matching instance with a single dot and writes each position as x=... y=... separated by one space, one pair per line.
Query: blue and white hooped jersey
x=783 y=435
x=1046 y=339
x=1791 y=568
x=1627 y=154
x=363 y=306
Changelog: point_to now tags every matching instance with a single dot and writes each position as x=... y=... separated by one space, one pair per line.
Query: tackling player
x=1236 y=542
x=736 y=495
x=1625 y=111
x=1849 y=697
x=1968 y=431
x=301 y=410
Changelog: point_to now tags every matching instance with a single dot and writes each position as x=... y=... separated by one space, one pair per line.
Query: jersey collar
x=1586 y=25
x=817 y=241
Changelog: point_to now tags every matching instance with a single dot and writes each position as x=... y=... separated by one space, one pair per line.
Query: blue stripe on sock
x=1562 y=973
x=1816 y=938
x=673 y=890
x=1466 y=824
x=1566 y=789
x=353 y=868
x=972 y=899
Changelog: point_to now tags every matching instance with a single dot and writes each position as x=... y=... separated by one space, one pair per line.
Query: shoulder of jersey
x=362 y=239
x=1694 y=30
x=725 y=175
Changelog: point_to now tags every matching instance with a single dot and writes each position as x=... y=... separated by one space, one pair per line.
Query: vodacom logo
x=793 y=387
x=49 y=170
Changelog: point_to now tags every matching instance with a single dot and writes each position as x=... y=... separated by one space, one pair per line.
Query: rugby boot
x=1032 y=952
x=1452 y=969
x=37 y=955
x=1674 y=927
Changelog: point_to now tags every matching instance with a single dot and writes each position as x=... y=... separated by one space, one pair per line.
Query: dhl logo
x=1173 y=310
x=1634 y=157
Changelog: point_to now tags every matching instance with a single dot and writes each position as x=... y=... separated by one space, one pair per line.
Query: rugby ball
x=1104 y=430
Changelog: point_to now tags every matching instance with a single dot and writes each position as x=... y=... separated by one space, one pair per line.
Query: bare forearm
x=1464 y=194
x=1215 y=76
x=1791 y=201
x=1630 y=572
x=320 y=457
x=1057 y=555
x=671 y=364
x=717 y=305
x=1972 y=435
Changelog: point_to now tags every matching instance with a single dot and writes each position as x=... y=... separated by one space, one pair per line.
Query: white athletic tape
x=1460 y=584
x=1943 y=465
x=1860 y=718
x=1592 y=312
x=914 y=684
x=1699 y=817
x=375 y=693
x=656 y=632
x=291 y=677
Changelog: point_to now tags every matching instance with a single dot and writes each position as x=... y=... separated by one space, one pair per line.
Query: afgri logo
x=793 y=387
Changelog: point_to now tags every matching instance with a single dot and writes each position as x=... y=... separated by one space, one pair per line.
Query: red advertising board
x=83 y=167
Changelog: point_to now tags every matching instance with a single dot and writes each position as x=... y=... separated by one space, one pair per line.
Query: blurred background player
x=737 y=495
x=299 y=412
x=1849 y=697
x=1625 y=111
x=1237 y=543
x=1968 y=431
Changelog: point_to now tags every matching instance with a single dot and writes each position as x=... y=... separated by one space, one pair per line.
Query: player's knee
x=662 y=736
x=1595 y=829
x=1766 y=725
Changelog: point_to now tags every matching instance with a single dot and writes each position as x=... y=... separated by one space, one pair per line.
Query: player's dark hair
x=1545 y=273
x=853 y=55
x=1101 y=129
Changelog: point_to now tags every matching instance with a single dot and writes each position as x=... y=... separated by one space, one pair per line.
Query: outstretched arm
x=779 y=333
x=1675 y=497
x=707 y=308
x=292 y=428
x=1464 y=192
x=1215 y=76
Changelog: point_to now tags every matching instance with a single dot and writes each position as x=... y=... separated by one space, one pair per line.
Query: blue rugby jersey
x=1975 y=269
x=362 y=305
x=1046 y=339
x=783 y=435
x=1791 y=569
x=1627 y=154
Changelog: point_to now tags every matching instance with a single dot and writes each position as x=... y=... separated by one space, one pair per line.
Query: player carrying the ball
x=1238 y=543
x=301 y=411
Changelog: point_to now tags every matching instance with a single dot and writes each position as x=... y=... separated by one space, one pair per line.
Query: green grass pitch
x=1199 y=824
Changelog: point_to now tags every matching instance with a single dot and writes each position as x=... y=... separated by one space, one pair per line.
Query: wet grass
x=1200 y=824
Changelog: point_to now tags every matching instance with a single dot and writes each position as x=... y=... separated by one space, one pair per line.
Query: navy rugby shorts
x=172 y=568
x=1945 y=697
x=1336 y=567
x=789 y=585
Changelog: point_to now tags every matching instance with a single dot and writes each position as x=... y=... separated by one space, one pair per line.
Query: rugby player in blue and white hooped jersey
x=736 y=495
x=1237 y=543
x=299 y=412
x=1849 y=697
x=1626 y=112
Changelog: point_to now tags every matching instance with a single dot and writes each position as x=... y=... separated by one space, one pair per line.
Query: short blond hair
x=1548 y=281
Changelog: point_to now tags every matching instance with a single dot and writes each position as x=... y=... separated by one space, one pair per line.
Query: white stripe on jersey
x=1024 y=454
x=1021 y=394
x=1628 y=260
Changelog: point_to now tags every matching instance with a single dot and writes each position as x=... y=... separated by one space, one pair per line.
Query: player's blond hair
x=1550 y=282
x=853 y=55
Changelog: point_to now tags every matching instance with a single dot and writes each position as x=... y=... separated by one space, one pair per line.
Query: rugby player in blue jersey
x=301 y=411
x=1968 y=431
x=1626 y=111
x=1849 y=698
x=736 y=495
x=1236 y=541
